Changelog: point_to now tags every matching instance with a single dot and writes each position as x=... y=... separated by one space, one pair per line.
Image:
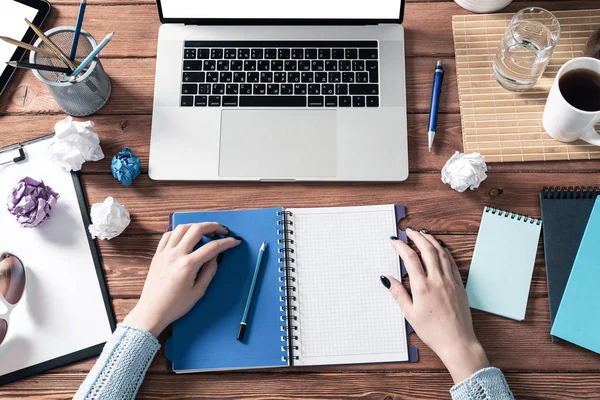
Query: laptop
x=265 y=90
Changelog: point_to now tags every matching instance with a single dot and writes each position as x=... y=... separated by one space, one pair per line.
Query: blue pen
x=240 y=336
x=438 y=78
x=91 y=56
x=78 y=29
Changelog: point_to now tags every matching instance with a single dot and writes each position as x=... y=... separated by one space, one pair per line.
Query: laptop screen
x=282 y=9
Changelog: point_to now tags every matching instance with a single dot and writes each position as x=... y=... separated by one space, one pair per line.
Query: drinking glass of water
x=526 y=48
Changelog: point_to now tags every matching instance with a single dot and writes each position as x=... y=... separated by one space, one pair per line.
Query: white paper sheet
x=346 y=316
x=62 y=310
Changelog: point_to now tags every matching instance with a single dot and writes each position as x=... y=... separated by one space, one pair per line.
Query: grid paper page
x=345 y=315
x=506 y=126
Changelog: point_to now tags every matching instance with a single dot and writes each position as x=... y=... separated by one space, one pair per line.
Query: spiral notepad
x=318 y=299
x=565 y=212
x=502 y=264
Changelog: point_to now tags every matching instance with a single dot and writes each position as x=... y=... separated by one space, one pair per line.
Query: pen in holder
x=90 y=91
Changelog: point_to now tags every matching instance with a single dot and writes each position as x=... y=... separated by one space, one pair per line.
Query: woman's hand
x=439 y=310
x=179 y=276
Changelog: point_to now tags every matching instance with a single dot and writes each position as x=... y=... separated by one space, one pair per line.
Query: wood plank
x=247 y=386
x=133 y=89
x=504 y=340
x=117 y=131
x=429 y=202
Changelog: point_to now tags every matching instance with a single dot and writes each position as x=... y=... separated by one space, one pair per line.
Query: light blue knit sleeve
x=121 y=367
x=486 y=384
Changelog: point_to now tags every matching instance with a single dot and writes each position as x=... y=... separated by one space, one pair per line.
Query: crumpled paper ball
x=464 y=171
x=126 y=166
x=31 y=202
x=109 y=219
x=75 y=143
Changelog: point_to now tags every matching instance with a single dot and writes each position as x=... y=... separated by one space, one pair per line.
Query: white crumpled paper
x=464 y=171
x=75 y=143
x=109 y=219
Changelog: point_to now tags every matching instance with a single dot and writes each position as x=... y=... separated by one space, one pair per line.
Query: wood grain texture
x=429 y=202
x=359 y=386
x=117 y=131
x=537 y=368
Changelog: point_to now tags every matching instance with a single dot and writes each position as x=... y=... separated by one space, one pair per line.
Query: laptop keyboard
x=280 y=74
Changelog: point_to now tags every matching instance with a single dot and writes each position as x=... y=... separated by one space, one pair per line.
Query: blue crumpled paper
x=126 y=166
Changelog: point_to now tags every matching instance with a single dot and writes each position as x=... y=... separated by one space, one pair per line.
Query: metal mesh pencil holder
x=90 y=91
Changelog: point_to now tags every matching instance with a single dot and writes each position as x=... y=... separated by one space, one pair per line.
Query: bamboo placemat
x=505 y=126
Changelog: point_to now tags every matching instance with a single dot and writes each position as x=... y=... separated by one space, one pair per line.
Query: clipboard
x=16 y=155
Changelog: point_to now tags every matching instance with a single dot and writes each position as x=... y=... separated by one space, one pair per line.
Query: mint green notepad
x=578 y=316
x=503 y=262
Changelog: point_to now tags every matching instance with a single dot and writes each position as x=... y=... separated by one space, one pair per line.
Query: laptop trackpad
x=278 y=143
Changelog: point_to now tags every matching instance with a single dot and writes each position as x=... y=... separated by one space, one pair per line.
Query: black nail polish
x=385 y=282
x=220 y=258
x=238 y=238
x=394 y=237
x=410 y=228
x=226 y=228
x=441 y=242
x=425 y=231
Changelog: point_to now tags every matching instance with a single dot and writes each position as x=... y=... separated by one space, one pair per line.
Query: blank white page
x=345 y=314
x=62 y=310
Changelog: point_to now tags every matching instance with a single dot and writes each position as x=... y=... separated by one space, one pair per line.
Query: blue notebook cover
x=578 y=317
x=503 y=261
x=206 y=337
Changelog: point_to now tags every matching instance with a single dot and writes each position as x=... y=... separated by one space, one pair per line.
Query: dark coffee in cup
x=581 y=89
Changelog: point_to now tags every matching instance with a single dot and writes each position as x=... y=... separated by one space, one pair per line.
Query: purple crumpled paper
x=31 y=201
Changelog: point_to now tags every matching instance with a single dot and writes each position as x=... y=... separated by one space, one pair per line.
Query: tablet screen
x=13 y=25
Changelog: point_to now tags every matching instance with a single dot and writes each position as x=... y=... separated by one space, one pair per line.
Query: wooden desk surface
x=534 y=366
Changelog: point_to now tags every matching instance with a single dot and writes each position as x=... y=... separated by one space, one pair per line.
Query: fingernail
x=226 y=228
x=425 y=231
x=238 y=238
x=410 y=228
x=394 y=237
x=220 y=258
x=441 y=242
x=385 y=282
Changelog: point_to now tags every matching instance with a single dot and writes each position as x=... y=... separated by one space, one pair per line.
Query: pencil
x=28 y=46
x=51 y=45
x=243 y=324
x=78 y=29
x=40 y=67
x=91 y=56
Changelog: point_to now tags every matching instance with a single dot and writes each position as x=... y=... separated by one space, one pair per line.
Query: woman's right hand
x=179 y=275
x=438 y=310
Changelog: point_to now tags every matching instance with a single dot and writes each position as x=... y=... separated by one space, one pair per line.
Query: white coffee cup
x=564 y=122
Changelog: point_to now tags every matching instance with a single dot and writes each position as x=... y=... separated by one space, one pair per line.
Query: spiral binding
x=577 y=192
x=289 y=299
x=508 y=214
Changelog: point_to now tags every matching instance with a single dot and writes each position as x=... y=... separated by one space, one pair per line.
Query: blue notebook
x=298 y=316
x=502 y=264
x=578 y=316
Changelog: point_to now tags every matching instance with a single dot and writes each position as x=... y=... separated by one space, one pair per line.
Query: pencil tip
x=264 y=244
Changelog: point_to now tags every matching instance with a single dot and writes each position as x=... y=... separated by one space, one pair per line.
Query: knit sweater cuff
x=488 y=383
x=120 y=369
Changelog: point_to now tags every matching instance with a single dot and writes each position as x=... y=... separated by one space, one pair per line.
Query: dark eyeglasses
x=12 y=286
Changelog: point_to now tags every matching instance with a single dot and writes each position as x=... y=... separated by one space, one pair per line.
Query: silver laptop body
x=319 y=135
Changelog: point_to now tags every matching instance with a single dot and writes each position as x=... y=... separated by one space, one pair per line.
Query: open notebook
x=318 y=298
